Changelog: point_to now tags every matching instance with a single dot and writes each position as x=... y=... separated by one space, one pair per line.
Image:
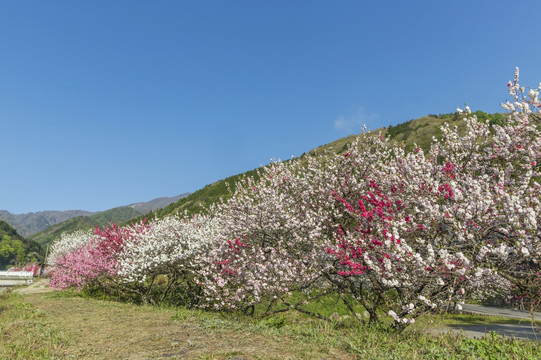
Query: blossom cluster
x=85 y=258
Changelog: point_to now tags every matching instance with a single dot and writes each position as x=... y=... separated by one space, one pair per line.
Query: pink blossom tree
x=83 y=259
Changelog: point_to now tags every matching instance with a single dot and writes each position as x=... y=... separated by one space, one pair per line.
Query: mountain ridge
x=29 y=224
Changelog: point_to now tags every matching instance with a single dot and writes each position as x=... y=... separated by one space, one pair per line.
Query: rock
x=334 y=317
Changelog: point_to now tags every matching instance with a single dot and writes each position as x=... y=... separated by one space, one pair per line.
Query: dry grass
x=98 y=329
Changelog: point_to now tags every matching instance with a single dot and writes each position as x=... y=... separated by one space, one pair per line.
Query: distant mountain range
x=34 y=222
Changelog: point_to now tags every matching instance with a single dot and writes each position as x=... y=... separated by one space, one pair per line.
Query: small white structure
x=12 y=278
x=17 y=273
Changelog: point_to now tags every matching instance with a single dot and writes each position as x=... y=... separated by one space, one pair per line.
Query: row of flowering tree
x=399 y=233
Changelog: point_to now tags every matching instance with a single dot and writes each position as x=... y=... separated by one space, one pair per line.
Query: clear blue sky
x=105 y=103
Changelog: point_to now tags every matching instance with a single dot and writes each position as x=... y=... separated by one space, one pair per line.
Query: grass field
x=63 y=325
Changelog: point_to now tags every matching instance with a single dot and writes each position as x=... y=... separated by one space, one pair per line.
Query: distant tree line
x=14 y=249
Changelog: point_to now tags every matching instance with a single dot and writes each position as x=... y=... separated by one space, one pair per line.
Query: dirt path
x=39 y=286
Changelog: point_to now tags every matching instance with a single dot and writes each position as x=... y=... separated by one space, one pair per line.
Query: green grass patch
x=476 y=319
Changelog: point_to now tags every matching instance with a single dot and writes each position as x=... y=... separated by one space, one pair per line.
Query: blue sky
x=105 y=103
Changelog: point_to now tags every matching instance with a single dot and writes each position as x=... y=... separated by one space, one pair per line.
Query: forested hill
x=199 y=200
x=418 y=131
x=119 y=215
x=14 y=249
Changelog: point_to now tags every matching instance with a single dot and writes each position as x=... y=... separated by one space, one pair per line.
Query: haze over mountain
x=34 y=222
x=159 y=203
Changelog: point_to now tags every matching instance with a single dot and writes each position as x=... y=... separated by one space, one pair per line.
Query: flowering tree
x=84 y=259
x=171 y=248
x=273 y=233
x=435 y=228
x=67 y=243
x=514 y=155
x=257 y=254
x=398 y=250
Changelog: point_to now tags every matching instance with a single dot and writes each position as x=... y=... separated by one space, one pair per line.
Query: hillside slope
x=159 y=203
x=419 y=131
x=199 y=200
x=32 y=223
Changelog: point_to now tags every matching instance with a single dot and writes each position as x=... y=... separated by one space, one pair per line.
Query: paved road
x=519 y=331
x=526 y=330
x=505 y=312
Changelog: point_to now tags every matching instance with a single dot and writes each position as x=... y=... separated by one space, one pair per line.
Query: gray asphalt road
x=495 y=311
x=527 y=330
x=519 y=331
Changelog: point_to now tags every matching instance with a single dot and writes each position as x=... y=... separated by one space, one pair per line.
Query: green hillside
x=46 y=236
x=419 y=131
x=119 y=215
x=199 y=200
x=14 y=249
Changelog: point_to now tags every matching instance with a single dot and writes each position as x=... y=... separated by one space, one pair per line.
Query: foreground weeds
x=66 y=325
